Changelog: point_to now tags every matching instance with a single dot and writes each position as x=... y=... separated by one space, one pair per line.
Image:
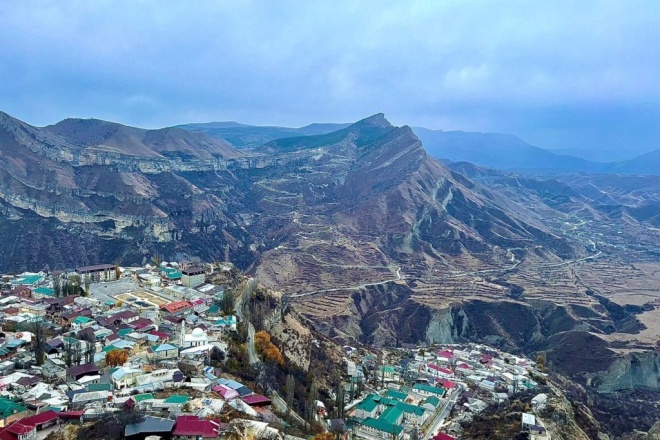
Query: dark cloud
x=560 y=74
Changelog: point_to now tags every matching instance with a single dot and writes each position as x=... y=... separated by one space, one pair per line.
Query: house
x=157 y=380
x=176 y=308
x=431 y=403
x=21 y=292
x=81 y=322
x=43 y=292
x=428 y=390
x=366 y=409
x=371 y=428
x=125 y=317
x=124 y=377
x=42 y=420
x=79 y=371
x=226 y=392
x=256 y=400
x=192 y=427
x=163 y=351
x=97 y=273
x=386 y=372
x=193 y=276
x=150 y=426
x=440 y=371
x=18 y=431
x=79 y=400
x=10 y=411
x=539 y=401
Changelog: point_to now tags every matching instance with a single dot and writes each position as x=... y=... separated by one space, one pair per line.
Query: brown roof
x=96 y=268
x=79 y=370
x=193 y=271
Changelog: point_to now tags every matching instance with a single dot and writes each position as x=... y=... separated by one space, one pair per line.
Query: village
x=148 y=348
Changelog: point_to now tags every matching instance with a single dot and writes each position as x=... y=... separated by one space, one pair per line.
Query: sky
x=559 y=74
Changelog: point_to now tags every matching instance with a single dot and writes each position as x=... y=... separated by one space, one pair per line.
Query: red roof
x=19 y=428
x=446 y=354
x=194 y=426
x=176 y=306
x=161 y=335
x=40 y=419
x=440 y=369
x=446 y=383
x=443 y=436
x=14 y=430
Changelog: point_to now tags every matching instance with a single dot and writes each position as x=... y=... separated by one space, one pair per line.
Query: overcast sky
x=560 y=74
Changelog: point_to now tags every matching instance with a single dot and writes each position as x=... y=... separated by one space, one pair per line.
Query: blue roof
x=165 y=347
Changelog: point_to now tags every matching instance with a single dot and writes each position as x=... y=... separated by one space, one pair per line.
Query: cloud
x=544 y=70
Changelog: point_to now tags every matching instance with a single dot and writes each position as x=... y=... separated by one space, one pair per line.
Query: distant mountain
x=501 y=151
x=93 y=135
x=251 y=136
x=494 y=150
x=646 y=164
x=602 y=156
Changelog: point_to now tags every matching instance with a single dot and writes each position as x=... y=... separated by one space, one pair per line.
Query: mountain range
x=371 y=238
x=494 y=150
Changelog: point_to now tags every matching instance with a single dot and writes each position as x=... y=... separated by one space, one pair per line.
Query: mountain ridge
x=496 y=150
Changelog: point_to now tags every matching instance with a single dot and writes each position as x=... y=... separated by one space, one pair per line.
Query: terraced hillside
x=370 y=238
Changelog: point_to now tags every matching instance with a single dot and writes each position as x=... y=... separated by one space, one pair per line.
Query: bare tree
x=38 y=329
x=68 y=352
x=311 y=402
x=340 y=401
x=290 y=387
x=57 y=286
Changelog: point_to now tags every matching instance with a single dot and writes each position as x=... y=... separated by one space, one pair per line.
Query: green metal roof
x=173 y=275
x=387 y=369
x=141 y=397
x=368 y=404
x=99 y=387
x=81 y=320
x=429 y=389
x=44 y=291
x=29 y=280
x=432 y=400
x=125 y=331
x=8 y=407
x=398 y=395
x=410 y=409
x=391 y=415
x=177 y=398
x=383 y=426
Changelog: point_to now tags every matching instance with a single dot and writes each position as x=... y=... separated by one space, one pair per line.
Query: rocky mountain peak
x=377 y=120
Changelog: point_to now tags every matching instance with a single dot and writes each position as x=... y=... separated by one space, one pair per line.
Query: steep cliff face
x=630 y=371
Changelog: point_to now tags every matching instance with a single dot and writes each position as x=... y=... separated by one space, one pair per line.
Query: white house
x=124 y=377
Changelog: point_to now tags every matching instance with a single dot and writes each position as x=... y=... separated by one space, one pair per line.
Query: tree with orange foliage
x=267 y=349
x=324 y=436
x=261 y=340
x=116 y=357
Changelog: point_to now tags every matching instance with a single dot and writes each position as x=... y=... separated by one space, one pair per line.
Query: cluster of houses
x=429 y=390
x=153 y=318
